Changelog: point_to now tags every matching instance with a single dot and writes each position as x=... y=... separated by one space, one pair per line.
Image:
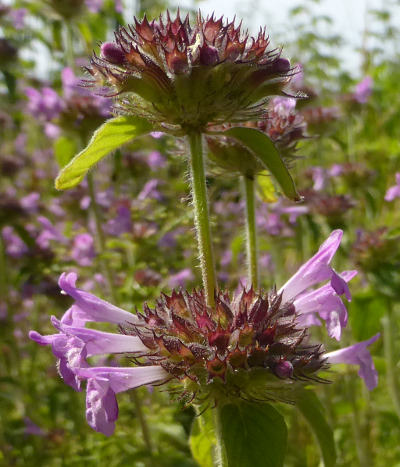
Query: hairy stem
x=221 y=460
x=251 y=232
x=388 y=323
x=201 y=216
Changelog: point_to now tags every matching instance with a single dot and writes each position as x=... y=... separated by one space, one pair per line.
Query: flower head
x=185 y=76
x=280 y=122
x=253 y=345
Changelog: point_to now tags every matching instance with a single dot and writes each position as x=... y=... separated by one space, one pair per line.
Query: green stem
x=221 y=460
x=108 y=273
x=69 y=51
x=201 y=216
x=388 y=324
x=3 y=270
x=363 y=451
x=251 y=232
x=100 y=236
x=142 y=421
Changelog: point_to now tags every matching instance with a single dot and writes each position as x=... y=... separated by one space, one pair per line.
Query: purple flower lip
x=358 y=354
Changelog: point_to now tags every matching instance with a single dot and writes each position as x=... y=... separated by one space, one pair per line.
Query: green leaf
x=265 y=151
x=64 y=150
x=266 y=188
x=313 y=411
x=254 y=435
x=110 y=136
x=202 y=439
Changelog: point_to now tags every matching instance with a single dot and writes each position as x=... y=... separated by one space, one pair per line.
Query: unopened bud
x=283 y=369
x=112 y=53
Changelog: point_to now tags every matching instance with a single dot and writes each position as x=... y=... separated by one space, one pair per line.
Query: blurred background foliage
x=344 y=170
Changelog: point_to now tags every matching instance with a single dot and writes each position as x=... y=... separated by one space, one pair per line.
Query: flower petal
x=93 y=308
x=315 y=270
x=358 y=354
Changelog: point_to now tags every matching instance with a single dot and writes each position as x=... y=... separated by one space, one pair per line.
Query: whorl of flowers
x=185 y=76
x=283 y=124
x=280 y=122
x=254 y=346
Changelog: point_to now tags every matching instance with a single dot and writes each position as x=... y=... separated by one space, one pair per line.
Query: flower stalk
x=388 y=324
x=220 y=455
x=251 y=232
x=201 y=216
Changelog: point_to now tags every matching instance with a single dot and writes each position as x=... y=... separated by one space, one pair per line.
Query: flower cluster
x=280 y=122
x=254 y=345
x=185 y=76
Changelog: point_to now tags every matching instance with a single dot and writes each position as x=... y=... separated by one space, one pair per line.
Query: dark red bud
x=281 y=65
x=112 y=53
x=283 y=369
x=208 y=55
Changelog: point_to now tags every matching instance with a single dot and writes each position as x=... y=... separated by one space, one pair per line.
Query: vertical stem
x=251 y=232
x=363 y=451
x=108 y=273
x=100 y=236
x=142 y=421
x=201 y=216
x=3 y=270
x=388 y=323
x=69 y=51
x=221 y=460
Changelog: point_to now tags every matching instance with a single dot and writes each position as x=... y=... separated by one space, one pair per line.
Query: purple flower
x=315 y=270
x=156 y=134
x=51 y=130
x=156 y=160
x=45 y=105
x=74 y=343
x=14 y=246
x=319 y=178
x=17 y=16
x=326 y=302
x=32 y=429
x=72 y=88
x=358 y=354
x=119 y=8
x=122 y=223
x=83 y=249
x=363 y=90
x=48 y=233
x=104 y=383
x=94 y=6
x=30 y=203
x=90 y=308
x=150 y=191
x=180 y=278
x=394 y=191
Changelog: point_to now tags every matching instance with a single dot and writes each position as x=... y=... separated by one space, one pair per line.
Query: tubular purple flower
x=99 y=342
x=71 y=354
x=104 y=383
x=90 y=307
x=326 y=302
x=358 y=354
x=315 y=270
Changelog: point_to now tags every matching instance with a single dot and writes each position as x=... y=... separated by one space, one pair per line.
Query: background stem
x=388 y=324
x=251 y=232
x=201 y=216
